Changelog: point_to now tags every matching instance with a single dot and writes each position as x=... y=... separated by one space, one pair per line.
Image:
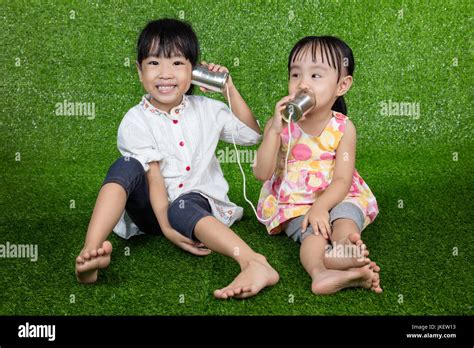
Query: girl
x=323 y=202
x=169 y=180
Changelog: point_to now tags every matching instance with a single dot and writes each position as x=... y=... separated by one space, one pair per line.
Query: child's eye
x=178 y=63
x=295 y=75
x=153 y=62
x=316 y=76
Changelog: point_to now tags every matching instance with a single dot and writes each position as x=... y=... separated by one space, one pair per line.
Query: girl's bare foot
x=348 y=253
x=332 y=281
x=257 y=275
x=376 y=278
x=90 y=261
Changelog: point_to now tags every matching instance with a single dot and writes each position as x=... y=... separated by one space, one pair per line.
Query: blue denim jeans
x=183 y=213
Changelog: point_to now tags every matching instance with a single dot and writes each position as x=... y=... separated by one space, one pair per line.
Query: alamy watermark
x=393 y=108
x=70 y=108
x=344 y=251
x=230 y=156
x=19 y=251
x=37 y=331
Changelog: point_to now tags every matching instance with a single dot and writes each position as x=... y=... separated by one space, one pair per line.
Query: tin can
x=214 y=81
x=303 y=101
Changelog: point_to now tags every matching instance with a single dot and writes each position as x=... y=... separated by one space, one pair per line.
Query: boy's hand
x=318 y=218
x=277 y=120
x=217 y=68
x=185 y=243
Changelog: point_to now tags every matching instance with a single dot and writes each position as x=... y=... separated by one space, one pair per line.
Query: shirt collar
x=174 y=112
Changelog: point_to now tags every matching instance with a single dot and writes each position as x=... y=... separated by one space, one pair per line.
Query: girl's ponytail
x=340 y=105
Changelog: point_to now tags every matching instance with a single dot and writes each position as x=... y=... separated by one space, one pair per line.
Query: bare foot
x=348 y=253
x=89 y=261
x=375 y=278
x=257 y=275
x=332 y=281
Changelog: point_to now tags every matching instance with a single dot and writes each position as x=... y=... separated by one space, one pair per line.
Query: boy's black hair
x=167 y=37
x=337 y=53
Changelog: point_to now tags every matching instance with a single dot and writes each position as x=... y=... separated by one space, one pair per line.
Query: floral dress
x=311 y=163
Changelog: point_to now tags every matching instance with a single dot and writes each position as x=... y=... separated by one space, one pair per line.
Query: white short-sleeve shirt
x=184 y=143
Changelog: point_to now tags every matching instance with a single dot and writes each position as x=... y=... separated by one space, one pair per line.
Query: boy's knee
x=126 y=166
x=125 y=170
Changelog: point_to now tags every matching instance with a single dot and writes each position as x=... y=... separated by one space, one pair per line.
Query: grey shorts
x=343 y=210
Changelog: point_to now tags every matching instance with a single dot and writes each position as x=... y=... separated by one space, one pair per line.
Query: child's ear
x=139 y=69
x=344 y=85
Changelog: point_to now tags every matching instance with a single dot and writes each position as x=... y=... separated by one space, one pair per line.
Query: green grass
x=401 y=158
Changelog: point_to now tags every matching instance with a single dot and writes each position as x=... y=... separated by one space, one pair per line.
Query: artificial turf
x=419 y=168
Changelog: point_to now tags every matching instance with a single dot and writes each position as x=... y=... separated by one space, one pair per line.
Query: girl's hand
x=217 y=68
x=185 y=243
x=318 y=218
x=277 y=120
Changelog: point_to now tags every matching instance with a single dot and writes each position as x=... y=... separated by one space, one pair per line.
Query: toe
x=79 y=259
x=248 y=289
x=100 y=252
x=93 y=253
x=107 y=246
x=247 y=292
x=354 y=238
x=220 y=294
x=86 y=256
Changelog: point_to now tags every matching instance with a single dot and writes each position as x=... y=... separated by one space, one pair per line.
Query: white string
x=273 y=176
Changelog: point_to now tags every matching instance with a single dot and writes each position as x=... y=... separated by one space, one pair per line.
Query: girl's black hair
x=337 y=53
x=167 y=37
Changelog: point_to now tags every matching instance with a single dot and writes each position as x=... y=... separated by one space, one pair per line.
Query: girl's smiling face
x=319 y=77
x=165 y=79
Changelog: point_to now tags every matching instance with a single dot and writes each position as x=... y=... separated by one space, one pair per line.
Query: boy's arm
x=159 y=203
x=239 y=106
x=158 y=196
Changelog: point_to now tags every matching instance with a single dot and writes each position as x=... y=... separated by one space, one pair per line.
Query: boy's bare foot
x=257 y=275
x=89 y=261
x=348 y=253
x=375 y=278
x=332 y=281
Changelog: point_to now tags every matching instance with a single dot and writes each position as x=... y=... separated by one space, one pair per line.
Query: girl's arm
x=239 y=106
x=318 y=215
x=159 y=203
x=267 y=153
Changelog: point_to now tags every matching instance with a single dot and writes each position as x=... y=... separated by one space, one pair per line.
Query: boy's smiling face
x=165 y=79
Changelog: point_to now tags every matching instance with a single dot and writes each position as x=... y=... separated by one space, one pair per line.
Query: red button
x=181 y=143
x=175 y=121
x=188 y=168
x=180 y=185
